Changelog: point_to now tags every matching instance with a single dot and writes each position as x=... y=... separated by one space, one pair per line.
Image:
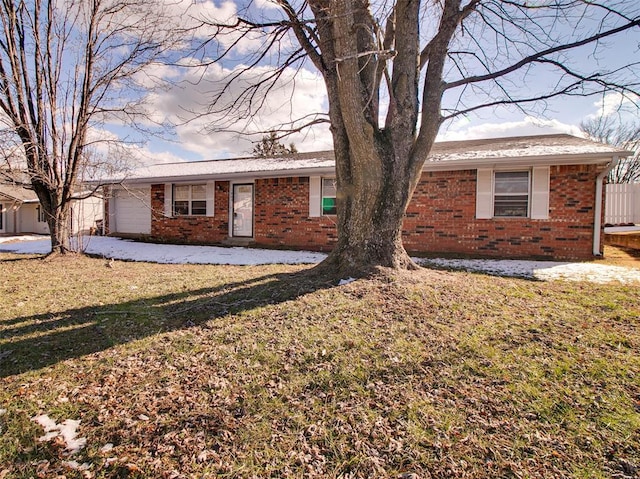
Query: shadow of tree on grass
x=45 y=339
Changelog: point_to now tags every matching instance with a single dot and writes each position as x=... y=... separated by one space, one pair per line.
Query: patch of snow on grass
x=541 y=270
x=7 y=239
x=66 y=430
x=129 y=250
x=120 y=249
x=592 y=272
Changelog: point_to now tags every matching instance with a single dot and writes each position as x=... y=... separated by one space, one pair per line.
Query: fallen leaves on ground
x=428 y=374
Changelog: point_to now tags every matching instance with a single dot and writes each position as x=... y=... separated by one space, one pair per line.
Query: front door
x=1 y=218
x=243 y=210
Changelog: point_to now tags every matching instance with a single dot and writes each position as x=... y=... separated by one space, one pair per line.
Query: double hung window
x=511 y=194
x=189 y=200
x=329 y=196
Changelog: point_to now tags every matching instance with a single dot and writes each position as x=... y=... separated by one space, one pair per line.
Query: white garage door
x=133 y=211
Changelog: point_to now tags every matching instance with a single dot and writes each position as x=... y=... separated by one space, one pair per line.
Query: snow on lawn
x=65 y=430
x=117 y=248
x=541 y=270
x=7 y=239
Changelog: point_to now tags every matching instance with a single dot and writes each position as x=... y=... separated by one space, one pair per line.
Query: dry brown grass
x=620 y=256
x=221 y=371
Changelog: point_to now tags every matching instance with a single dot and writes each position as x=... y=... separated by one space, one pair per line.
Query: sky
x=301 y=93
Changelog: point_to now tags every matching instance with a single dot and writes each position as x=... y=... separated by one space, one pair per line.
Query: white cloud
x=156 y=74
x=192 y=16
x=212 y=132
x=199 y=19
x=267 y=4
x=109 y=148
x=141 y=155
x=614 y=103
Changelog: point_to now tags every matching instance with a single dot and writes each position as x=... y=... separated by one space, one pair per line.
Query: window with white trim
x=41 y=215
x=515 y=193
x=190 y=200
x=511 y=191
x=329 y=196
x=1 y=215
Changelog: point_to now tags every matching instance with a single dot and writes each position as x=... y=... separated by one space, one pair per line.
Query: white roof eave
x=475 y=163
x=444 y=162
x=231 y=176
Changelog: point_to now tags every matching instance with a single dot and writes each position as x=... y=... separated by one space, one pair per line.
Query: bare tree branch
x=610 y=130
x=62 y=65
x=539 y=56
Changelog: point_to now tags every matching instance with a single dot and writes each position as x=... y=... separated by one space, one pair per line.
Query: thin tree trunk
x=59 y=227
x=58 y=215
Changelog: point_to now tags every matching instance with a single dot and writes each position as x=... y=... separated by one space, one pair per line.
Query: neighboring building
x=20 y=212
x=533 y=197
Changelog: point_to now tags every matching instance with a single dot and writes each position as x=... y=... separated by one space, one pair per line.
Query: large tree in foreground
x=396 y=70
x=65 y=67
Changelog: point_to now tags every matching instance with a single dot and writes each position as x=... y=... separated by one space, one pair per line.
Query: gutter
x=511 y=161
x=315 y=171
x=597 y=221
x=439 y=162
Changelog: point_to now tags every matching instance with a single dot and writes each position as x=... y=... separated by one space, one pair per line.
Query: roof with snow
x=17 y=193
x=238 y=166
x=449 y=155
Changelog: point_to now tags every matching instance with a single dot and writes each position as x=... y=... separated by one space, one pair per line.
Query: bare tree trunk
x=60 y=229
x=370 y=217
x=63 y=71
x=376 y=169
x=57 y=212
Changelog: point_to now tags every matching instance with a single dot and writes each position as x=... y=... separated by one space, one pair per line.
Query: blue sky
x=303 y=94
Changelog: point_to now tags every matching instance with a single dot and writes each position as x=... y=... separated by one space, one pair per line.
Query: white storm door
x=243 y=210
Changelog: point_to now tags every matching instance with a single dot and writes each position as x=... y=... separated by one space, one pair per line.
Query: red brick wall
x=191 y=229
x=441 y=218
x=282 y=216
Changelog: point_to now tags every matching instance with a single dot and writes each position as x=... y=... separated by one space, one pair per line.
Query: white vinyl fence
x=622 y=203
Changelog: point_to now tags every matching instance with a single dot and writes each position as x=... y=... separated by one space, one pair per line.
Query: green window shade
x=329 y=206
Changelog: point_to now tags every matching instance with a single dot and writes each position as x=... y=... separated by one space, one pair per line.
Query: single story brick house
x=20 y=212
x=524 y=197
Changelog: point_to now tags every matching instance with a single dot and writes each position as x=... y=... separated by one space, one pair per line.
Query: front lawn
x=225 y=371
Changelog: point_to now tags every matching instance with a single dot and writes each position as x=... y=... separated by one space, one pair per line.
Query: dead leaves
x=428 y=378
